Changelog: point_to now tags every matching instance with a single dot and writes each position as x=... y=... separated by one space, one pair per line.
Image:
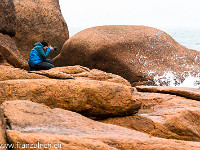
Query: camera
x=55 y=48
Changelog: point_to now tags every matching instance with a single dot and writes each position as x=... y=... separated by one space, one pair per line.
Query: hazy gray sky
x=155 y=13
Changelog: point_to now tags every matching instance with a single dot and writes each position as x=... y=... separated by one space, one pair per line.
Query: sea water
x=189 y=37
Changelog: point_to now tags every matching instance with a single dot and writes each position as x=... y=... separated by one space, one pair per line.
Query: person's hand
x=52 y=48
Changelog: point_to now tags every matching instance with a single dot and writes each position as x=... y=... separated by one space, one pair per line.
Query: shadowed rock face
x=10 y=52
x=32 y=123
x=7 y=17
x=137 y=53
x=38 y=20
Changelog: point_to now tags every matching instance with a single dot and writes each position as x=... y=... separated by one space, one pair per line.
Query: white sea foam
x=191 y=82
x=190 y=39
x=171 y=79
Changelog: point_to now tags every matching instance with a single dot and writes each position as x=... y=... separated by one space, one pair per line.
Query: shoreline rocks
x=137 y=53
x=43 y=106
x=101 y=96
x=93 y=93
x=36 y=123
x=164 y=115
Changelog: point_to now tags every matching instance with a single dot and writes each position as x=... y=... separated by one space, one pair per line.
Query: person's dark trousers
x=44 y=65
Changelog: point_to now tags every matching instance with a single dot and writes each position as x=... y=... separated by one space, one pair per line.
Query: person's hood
x=37 y=44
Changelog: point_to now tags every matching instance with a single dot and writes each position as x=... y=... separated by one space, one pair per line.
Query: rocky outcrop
x=137 y=53
x=29 y=22
x=79 y=72
x=189 y=93
x=38 y=20
x=92 y=93
x=68 y=72
x=34 y=123
x=164 y=115
x=65 y=91
x=91 y=98
x=7 y=17
x=10 y=52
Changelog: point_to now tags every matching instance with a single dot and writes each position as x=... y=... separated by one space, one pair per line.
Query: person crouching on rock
x=38 y=55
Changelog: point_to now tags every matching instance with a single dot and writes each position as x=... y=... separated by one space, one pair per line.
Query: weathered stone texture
x=38 y=20
x=137 y=53
x=7 y=17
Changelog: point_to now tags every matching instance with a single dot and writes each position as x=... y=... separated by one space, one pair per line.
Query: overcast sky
x=81 y=14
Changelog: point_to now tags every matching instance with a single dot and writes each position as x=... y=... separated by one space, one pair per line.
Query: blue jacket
x=37 y=54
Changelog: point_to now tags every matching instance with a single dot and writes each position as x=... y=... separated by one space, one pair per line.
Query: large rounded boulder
x=137 y=53
x=38 y=20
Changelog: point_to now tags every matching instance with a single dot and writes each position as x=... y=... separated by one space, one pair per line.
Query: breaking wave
x=171 y=79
